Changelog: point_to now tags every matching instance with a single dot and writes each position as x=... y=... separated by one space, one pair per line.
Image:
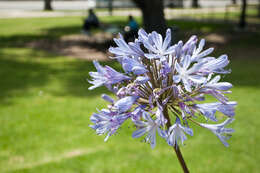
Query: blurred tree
x=153 y=15
x=242 y=21
x=234 y=2
x=175 y=3
x=47 y=5
x=195 y=3
x=110 y=7
x=259 y=8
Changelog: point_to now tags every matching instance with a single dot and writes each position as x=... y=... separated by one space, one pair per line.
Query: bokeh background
x=45 y=104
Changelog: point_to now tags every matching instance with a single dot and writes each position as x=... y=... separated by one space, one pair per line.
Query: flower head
x=163 y=82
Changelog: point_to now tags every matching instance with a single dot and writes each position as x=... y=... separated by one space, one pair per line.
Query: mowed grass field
x=45 y=107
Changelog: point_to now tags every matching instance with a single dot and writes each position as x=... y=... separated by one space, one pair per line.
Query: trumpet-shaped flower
x=132 y=65
x=216 y=89
x=209 y=109
x=125 y=49
x=105 y=76
x=125 y=103
x=157 y=46
x=107 y=122
x=176 y=133
x=150 y=127
x=188 y=76
x=220 y=131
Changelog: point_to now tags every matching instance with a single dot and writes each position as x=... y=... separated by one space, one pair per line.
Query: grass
x=45 y=108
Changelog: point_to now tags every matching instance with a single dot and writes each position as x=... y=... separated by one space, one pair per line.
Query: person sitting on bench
x=90 y=22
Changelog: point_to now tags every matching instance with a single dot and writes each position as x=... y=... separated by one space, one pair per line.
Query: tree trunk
x=242 y=22
x=110 y=7
x=153 y=15
x=195 y=3
x=47 y=5
x=259 y=8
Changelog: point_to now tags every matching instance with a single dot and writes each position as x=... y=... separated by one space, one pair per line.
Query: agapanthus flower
x=220 y=131
x=217 y=89
x=150 y=127
x=126 y=50
x=105 y=76
x=132 y=65
x=156 y=46
x=161 y=89
x=176 y=133
x=107 y=122
x=189 y=77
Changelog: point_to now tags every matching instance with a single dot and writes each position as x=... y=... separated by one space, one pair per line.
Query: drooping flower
x=107 y=122
x=209 y=109
x=216 y=89
x=220 y=131
x=215 y=65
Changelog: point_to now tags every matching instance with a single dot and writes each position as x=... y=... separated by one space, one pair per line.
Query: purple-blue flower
x=220 y=131
x=157 y=46
x=150 y=127
x=124 y=49
x=189 y=77
x=132 y=65
x=124 y=104
x=217 y=89
x=163 y=82
x=105 y=76
x=176 y=133
x=107 y=122
x=209 y=109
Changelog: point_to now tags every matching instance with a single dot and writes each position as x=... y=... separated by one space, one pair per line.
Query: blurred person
x=90 y=22
x=131 y=30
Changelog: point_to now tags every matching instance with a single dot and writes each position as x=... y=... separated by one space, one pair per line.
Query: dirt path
x=78 y=46
x=95 y=47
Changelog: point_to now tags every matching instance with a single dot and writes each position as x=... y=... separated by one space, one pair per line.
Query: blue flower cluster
x=161 y=89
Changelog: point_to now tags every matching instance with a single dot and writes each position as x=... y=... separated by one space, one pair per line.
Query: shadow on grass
x=18 y=76
x=74 y=79
x=25 y=72
x=20 y=40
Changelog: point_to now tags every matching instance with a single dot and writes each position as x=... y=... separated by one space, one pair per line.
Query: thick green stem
x=176 y=148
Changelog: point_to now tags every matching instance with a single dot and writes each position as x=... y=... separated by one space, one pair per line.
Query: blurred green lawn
x=45 y=108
